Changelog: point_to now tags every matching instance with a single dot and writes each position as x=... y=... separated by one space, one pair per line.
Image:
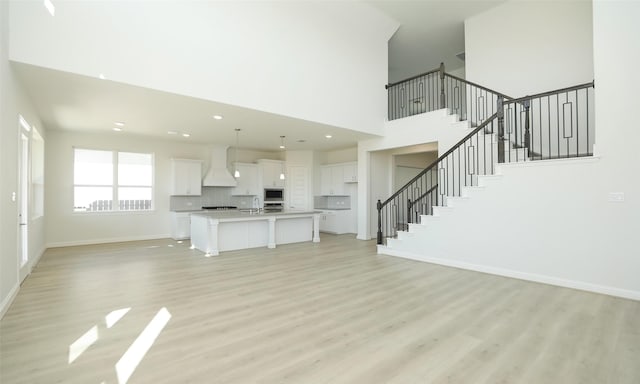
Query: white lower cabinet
x=180 y=225
x=335 y=221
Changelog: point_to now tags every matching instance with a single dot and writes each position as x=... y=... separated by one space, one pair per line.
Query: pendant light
x=282 y=147
x=236 y=174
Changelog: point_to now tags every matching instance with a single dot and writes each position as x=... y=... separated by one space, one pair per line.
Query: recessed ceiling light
x=328 y=136
x=102 y=76
x=172 y=132
x=117 y=129
x=119 y=123
x=186 y=135
x=217 y=117
x=301 y=141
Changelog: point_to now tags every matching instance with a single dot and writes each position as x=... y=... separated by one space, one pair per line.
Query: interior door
x=298 y=187
x=23 y=197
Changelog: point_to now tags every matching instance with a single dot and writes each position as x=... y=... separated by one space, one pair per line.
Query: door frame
x=22 y=198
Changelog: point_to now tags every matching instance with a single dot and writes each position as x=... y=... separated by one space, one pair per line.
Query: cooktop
x=219 y=207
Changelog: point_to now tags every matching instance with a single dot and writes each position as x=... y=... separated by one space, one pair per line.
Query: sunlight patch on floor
x=141 y=345
x=114 y=316
x=85 y=341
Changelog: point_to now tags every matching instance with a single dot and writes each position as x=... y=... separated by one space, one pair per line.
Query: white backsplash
x=184 y=203
x=332 y=202
x=211 y=196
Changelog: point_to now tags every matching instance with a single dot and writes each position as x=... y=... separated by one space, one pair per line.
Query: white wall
x=13 y=101
x=553 y=220
x=342 y=155
x=554 y=225
x=416 y=160
x=251 y=156
x=8 y=166
x=319 y=61
x=407 y=166
x=458 y=72
x=63 y=227
x=525 y=47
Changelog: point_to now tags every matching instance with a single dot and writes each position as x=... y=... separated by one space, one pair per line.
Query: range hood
x=218 y=175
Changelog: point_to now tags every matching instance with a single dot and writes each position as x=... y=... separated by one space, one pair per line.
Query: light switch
x=13 y=196
x=616 y=197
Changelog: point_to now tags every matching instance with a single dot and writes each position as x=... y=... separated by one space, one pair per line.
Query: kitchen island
x=215 y=232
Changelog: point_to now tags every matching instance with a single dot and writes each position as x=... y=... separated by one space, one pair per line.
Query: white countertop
x=235 y=214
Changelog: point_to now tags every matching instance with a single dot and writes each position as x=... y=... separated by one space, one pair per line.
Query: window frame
x=114 y=184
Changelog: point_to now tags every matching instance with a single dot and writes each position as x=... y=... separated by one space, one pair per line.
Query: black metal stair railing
x=475 y=154
x=469 y=100
x=550 y=125
x=415 y=95
x=435 y=90
x=422 y=205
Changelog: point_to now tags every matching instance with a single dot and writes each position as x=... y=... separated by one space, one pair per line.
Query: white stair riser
x=426 y=219
x=455 y=201
x=442 y=211
x=402 y=235
x=418 y=228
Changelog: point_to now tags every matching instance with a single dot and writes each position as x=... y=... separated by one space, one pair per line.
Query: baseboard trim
x=6 y=303
x=580 y=285
x=37 y=258
x=107 y=240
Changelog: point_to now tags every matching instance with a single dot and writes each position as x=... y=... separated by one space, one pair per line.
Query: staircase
x=503 y=130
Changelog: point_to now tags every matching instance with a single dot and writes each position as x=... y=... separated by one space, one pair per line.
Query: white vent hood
x=218 y=175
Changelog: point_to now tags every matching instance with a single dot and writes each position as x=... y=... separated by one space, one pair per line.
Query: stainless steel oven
x=273 y=194
x=273 y=199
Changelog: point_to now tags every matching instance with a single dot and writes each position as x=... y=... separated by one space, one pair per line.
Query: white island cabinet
x=215 y=232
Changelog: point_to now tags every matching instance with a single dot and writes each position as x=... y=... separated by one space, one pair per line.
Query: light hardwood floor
x=333 y=312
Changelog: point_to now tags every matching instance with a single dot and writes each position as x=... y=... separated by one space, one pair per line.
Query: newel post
x=527 y=134
x=379 y=207
x=442 y=95
x=500 y=110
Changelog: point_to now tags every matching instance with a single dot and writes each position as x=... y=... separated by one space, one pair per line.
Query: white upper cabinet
x=332 y=180
x=270 y=171
x=248 y=180
x=350 y=172
x=186 y=177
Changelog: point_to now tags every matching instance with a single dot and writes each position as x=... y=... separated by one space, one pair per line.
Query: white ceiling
x=430 y=32
x=89 y=104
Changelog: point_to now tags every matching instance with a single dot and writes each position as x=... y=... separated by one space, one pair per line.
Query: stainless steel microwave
x=273 y=194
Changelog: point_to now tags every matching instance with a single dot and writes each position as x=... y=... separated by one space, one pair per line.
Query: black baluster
x=527 y=135
x=442 y=95
x=500 y=130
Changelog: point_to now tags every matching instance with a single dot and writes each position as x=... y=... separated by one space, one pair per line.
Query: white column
x=316 y=228
x=272 y=233
x=212 y=228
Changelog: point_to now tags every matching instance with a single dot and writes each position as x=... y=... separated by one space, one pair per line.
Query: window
x=104 y=177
